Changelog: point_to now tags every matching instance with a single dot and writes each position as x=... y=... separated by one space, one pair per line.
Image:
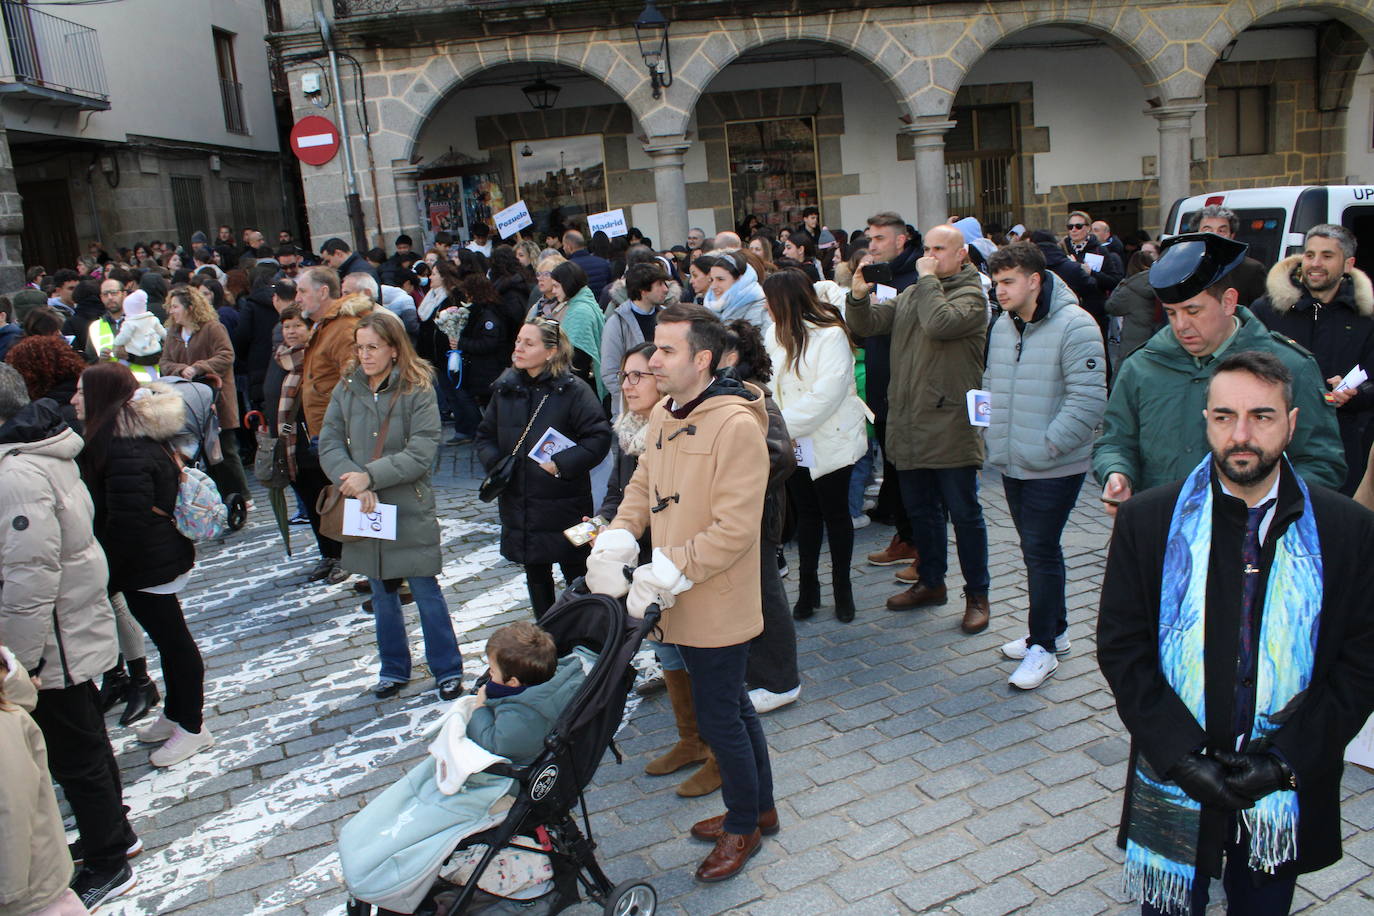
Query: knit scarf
x=292 y=359
x=632 y=431
x=1161 y=844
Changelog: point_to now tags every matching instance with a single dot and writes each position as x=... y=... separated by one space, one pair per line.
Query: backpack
x=200 y=514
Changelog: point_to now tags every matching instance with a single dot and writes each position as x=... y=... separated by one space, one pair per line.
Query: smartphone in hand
x=878 y=273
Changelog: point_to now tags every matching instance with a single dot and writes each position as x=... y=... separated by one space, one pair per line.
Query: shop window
x=981 y=164
x=773 y=172
x=559 y=179
x=1242 y=119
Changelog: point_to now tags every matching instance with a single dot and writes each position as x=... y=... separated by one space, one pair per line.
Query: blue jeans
x=930 y=493
x=860 y=478
x=727 y=721
x=1040 y=509
x=441 y=646
x=668 y=656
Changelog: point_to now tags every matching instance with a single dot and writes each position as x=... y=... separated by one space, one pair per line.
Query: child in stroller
x=417 y=849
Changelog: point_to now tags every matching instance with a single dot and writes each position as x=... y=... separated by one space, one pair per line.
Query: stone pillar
x=932 y=182
x=11 y=221
x=670 y=188
x=1175 y=153
x=407 y=207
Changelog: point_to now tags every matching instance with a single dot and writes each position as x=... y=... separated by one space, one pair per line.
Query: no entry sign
x=314 y=140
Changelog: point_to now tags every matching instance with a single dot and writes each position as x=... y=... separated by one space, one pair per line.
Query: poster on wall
x=560 y=179
x=482 y=197
x=441 y=207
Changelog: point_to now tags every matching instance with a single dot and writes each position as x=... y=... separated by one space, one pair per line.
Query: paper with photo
x=550 y=444
x=1094 y=261
x=1353 y=379
x=979 y=407
x=805 y=449
x=379 y=523
x=882 y=292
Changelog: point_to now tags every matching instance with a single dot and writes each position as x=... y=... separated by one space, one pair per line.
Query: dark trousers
x=228 y=475
x=82 y=762
x=182 y=668
x=309 y=482
x=1040 y=509
x=890 y=503
x=1248 y=893
x=773 y=653
x=929 y=494
x=467 y=413
x=539 y=581
x=823 y=504
x=726 y=719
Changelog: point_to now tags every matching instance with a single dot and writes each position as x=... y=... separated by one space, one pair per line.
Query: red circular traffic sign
x=314 y=140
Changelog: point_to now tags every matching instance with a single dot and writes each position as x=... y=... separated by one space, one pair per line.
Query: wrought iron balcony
x=50 y=59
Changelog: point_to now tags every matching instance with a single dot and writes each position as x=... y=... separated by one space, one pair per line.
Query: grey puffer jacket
x=1048 y=386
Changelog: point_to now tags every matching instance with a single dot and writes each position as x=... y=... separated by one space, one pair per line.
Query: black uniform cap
x=1192 y=262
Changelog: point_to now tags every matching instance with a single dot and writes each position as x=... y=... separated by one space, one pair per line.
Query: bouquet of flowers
x=453 y=319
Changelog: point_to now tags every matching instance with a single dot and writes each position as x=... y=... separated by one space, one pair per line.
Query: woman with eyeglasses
x=378 y=442
x=536 y=401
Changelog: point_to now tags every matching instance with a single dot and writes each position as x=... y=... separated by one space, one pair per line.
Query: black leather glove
x=1253 y=776
x=1204 y=779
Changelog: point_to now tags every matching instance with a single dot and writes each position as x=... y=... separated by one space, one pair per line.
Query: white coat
x=818 y=397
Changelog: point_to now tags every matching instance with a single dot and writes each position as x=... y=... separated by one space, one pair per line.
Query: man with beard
x=1149 y=437
x=1320 y=300
x=1233 y=632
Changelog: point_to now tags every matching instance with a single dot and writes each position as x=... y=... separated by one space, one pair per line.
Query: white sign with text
x=512 y=219
x=612 y=222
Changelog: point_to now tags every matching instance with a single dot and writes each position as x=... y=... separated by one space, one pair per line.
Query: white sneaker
x=767 y=701
x=181 y=745
x=874 y=488
x=869 y=504
x=157 y=731
x=1016 y=649
x=1034 y=668
x=860 y=521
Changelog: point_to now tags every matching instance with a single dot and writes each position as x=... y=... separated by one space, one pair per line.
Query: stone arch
x=868 y=41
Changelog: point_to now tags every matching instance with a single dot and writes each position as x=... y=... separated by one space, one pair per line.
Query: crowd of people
x=739 y=392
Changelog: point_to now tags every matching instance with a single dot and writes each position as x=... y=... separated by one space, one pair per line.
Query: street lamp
x=541 y=93
x=651 y=31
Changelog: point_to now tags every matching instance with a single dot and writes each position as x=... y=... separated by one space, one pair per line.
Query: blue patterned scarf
x=1161 y=844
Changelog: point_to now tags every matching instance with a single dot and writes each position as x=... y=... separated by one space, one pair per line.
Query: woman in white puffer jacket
x=813 y=384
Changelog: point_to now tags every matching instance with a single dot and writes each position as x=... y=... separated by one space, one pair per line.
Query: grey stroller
x=198 y=441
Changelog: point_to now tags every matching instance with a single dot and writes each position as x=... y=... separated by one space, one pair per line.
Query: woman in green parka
x=582 y=321
x=389 y=391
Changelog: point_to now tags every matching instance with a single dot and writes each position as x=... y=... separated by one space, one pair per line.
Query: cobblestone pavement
x=910 y=776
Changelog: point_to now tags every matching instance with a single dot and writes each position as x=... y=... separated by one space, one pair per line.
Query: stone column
x=670 y=188
x=11 y=220
x=932 y=182
x=407 y=212
x=1175 y=153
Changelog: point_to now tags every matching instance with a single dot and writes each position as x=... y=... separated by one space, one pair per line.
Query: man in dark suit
x=1237 y=598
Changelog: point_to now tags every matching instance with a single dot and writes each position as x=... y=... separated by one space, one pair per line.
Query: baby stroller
x=551 y=788
x=198 y=441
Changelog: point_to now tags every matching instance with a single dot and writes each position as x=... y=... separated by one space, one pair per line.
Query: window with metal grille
x=188 y=206
x=230 y=89
x=981 y=164
x=242 y=205
x=1242 y=119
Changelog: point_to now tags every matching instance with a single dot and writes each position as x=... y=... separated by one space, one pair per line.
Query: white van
x=1274 y=220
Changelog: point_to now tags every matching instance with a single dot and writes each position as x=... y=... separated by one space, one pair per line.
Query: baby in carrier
x=392 y=849
x=140 y=334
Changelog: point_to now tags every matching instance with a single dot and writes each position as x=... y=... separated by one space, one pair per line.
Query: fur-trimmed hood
x=1285 y=288
x=156 y=412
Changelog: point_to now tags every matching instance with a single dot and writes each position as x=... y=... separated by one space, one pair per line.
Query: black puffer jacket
x=515 y=301
x=537 y=507
x=135 y=494
x=1100 y=284
x=253 y=338
x=486 y=346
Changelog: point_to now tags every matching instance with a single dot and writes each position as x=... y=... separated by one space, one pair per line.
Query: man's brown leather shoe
x=976 y=613
x=711 y=828
x=897 y=552
x=909 y=575
x=728 y=858
x=919 y=595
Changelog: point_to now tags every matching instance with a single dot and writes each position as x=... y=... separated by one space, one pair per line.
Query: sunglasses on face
x=1078 y=225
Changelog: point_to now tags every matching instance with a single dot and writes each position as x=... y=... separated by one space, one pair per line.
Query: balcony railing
x=231 y=95
x=48 y=57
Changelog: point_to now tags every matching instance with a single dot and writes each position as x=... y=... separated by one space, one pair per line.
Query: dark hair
x=471 y=262
x=569 y=276
x=600 y=245
x=44 y=360
x=1141 y=260
x=443 y=238
x=640 y=278
x=480 y=230
x=797 y=312
x=236 y=284
x=41 y=322
x=645 y=349
x=334 y=245
x=706 y=331
x=803 y=240
x=375 y=255
x=284 y=289
x=287 y=251
x=212 y=289
x=64 y=275
x=1023 y=256
x=754 y=363
x=478 y=290
x=731 y=261
x=106 y=388
x=504 y=263
x=522 y=650
x=889 y=219
x=404 y=239
x=810 y=211
x=1262 y=365
x=805 y=267
x=291 y=313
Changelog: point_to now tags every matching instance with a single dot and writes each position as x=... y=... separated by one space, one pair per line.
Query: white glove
x=659 y=582
x=613 y=550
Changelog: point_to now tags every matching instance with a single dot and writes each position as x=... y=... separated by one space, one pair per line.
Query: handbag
x=269 y=464
x=500 y=476
x=330 y=503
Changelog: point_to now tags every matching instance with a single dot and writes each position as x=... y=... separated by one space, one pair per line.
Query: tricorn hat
x=1192 y=262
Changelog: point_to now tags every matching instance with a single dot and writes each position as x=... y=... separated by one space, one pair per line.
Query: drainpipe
x=355 y=206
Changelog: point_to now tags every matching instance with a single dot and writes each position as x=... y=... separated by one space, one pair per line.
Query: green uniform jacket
x=400 y=477
x=938 y=330
x=1154 y=431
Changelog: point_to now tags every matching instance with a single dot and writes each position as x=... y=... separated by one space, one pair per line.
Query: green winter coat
x=514 y=727
x=938 y=329
x=1154 y=431
x=400 y=477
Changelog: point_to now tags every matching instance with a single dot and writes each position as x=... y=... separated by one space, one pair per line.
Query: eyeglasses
x=544 y=274
x=1078 y=225
x=367 y=349
x=633 y=378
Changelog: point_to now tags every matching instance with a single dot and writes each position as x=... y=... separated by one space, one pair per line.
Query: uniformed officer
x=1153 y=432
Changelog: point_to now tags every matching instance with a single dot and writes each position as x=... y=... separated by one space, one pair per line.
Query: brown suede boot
x=690 y=748
x=703 y=782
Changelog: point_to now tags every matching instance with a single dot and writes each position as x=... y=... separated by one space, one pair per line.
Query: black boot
x=141 y=695
x=808 y=596
x=113 y=686
x=844 y=602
